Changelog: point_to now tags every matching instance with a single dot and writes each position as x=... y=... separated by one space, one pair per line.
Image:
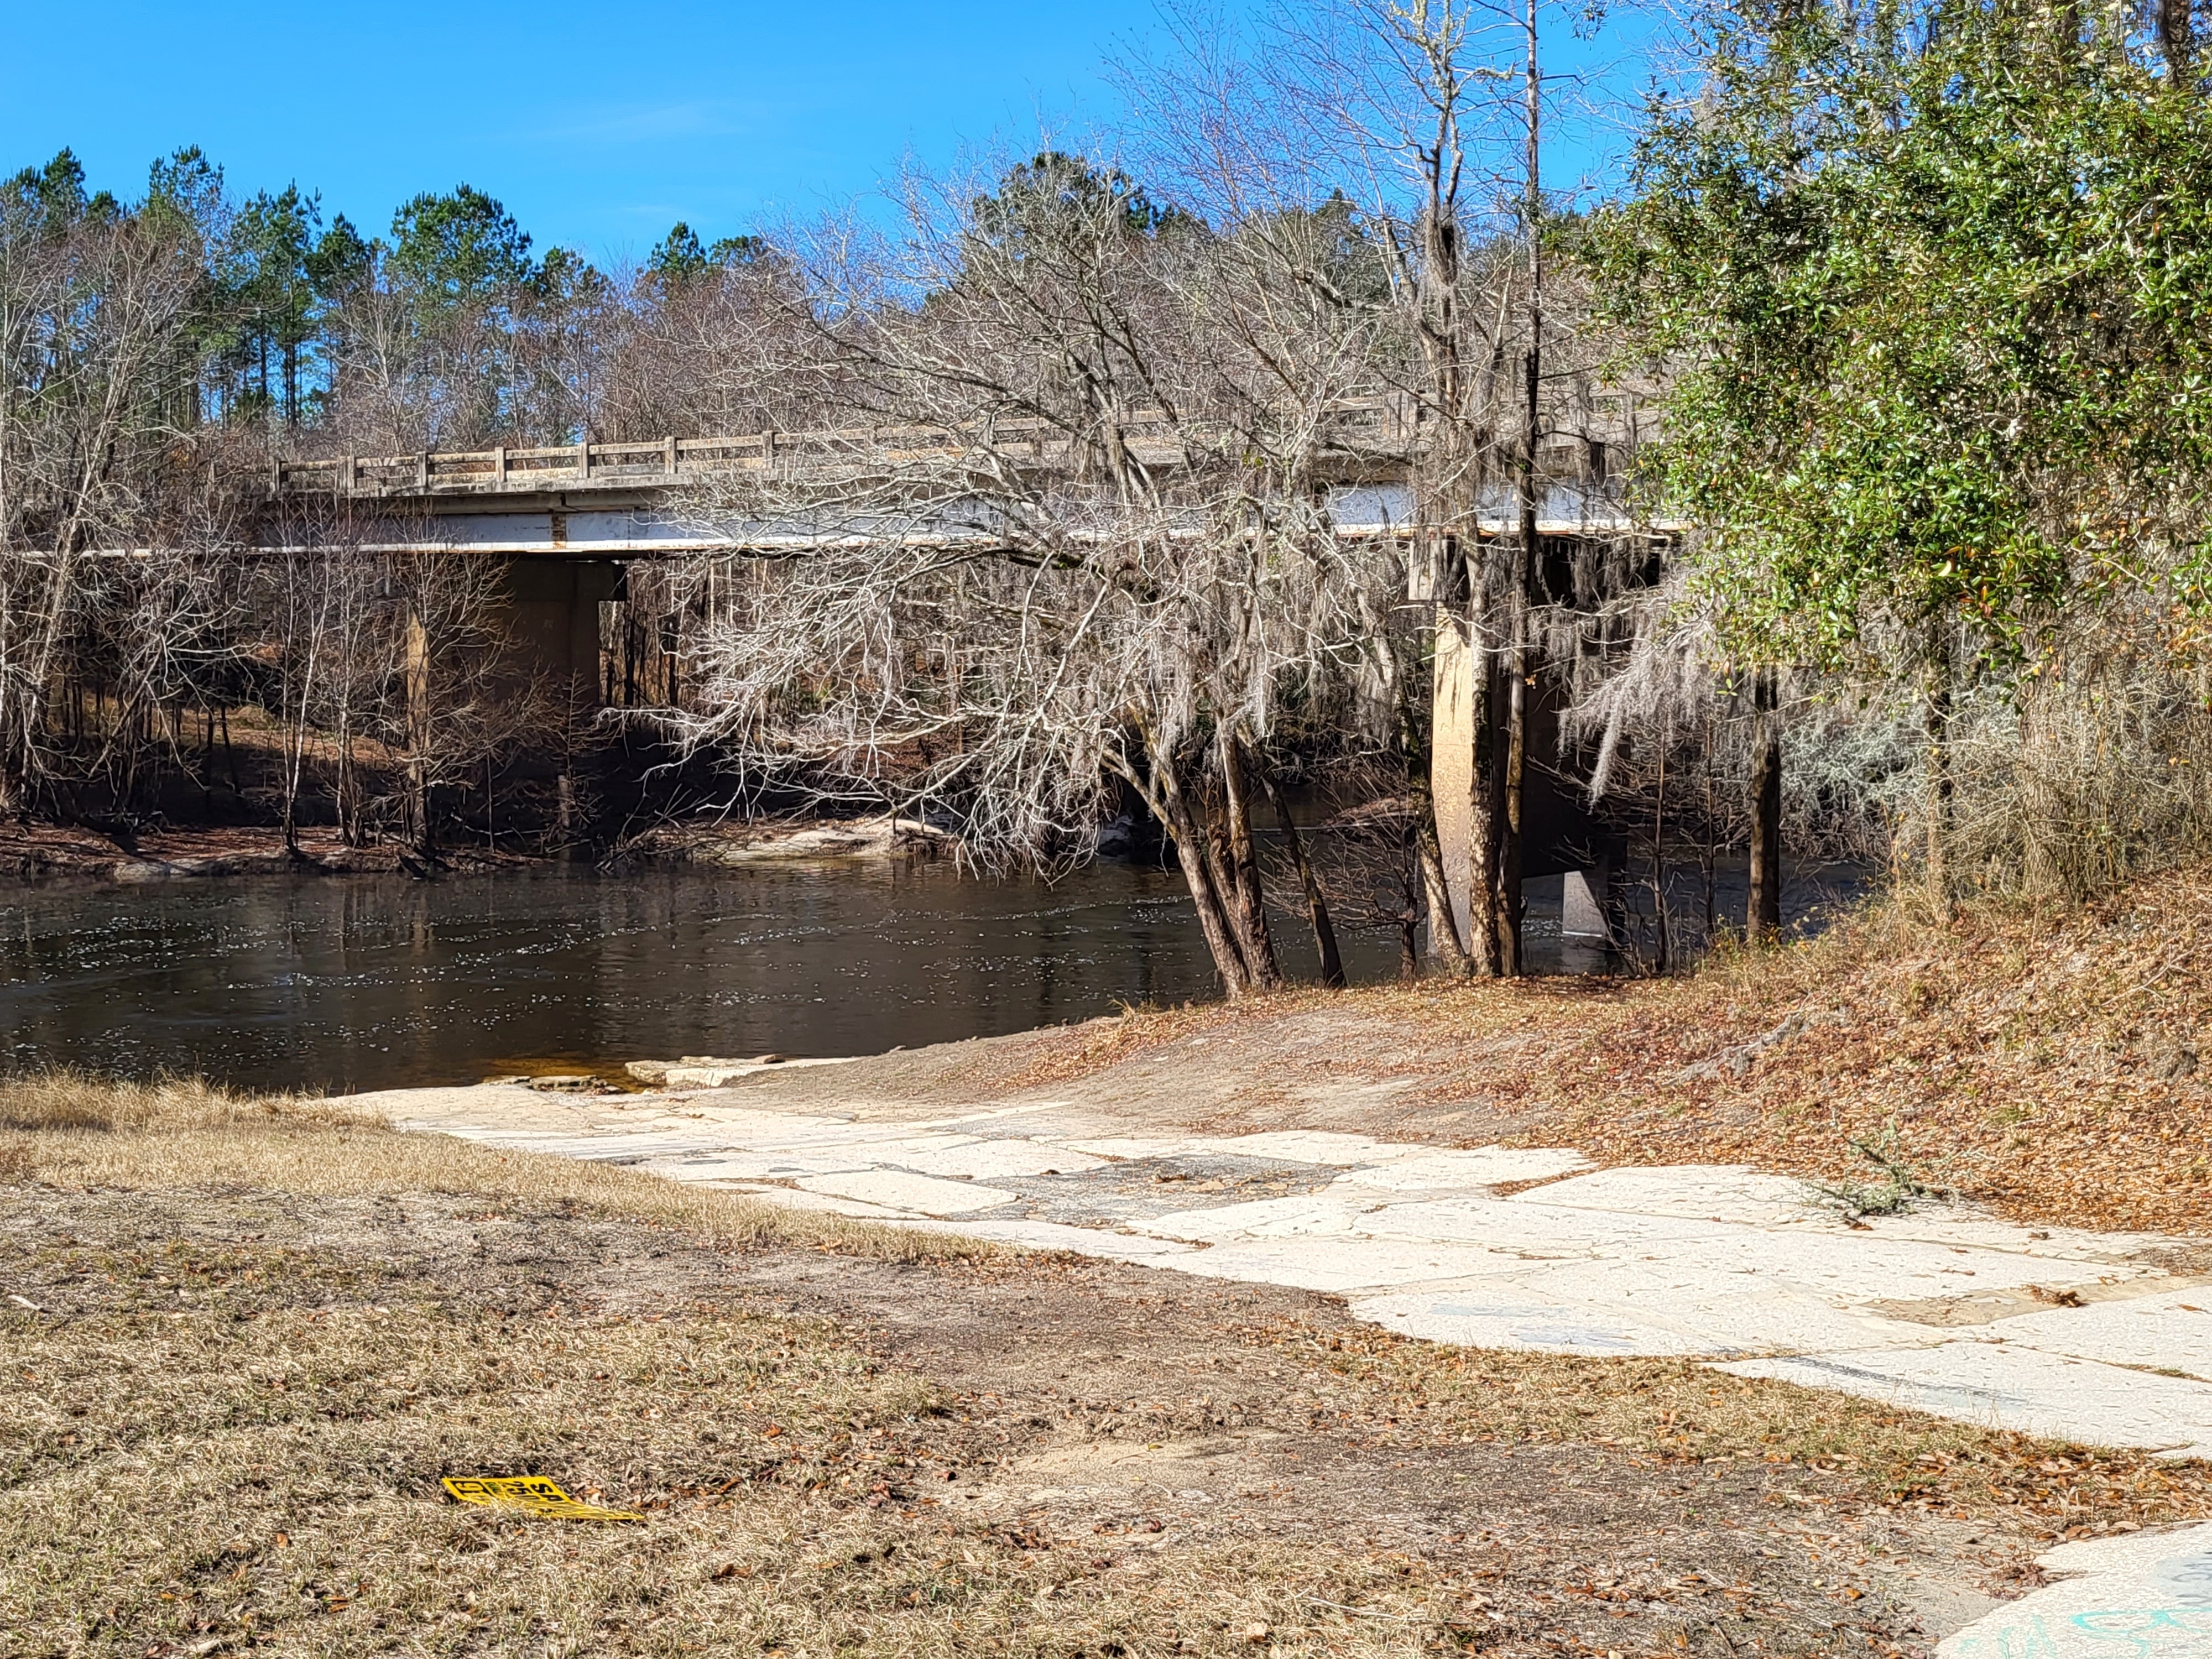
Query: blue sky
x=597 y=127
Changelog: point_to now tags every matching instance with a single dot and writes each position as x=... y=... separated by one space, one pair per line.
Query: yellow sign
x=533 y=1494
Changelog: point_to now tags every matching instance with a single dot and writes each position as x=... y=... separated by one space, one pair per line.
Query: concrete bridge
x=566 y=521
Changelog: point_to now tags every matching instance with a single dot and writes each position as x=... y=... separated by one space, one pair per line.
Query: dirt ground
x=245 y=1341
x=1152 y=1464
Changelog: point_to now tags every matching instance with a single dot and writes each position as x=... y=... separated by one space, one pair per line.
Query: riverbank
x=253 y=1336
x=43 y=851
x=2009 y=1232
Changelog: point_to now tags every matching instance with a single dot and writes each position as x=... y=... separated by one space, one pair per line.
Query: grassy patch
x=102 y=1134
x=2044 y=1060
x=184 y=1481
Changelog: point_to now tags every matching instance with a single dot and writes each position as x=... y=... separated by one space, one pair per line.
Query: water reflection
x=363 y=983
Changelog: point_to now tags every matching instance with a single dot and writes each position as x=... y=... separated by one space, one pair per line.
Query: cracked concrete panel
x=1317 y=1215
x=2000 y=1385
x=965 y=1157
x=1086 y=1240
x=2146 y=1595
x=1311 y=1146
x=1853 y=1269
x=616 y=1148
x=920 y=1194
x=1536 y=1231
x=1721 y=1313
x=1512 y=1314
x=757 y=1166
x=507 y=1104
x=1483 y=1166
x=1945 y=1224
x=1130 y=1148
x=751 y=1129
x=1733 y=1192
x=2172 y=1331
x=1340 y=1265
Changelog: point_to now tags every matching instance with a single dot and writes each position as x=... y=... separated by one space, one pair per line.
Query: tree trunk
x=1763 y=908
x=1514 y=744
x=1938 y=728
x=1514 y=760
x=1486 y=809
x=1162 y=790
x=1324 y=930
x=2177 y=40
x=417 y=671
x=1248 y=905
x=1444 y=942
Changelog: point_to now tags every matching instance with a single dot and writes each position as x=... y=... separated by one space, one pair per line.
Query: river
x=370 y=982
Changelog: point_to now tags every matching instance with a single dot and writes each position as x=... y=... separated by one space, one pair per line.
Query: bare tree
x=95 y=382
x=1078 y=540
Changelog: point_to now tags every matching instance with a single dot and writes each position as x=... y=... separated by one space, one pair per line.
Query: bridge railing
x=1379 y=424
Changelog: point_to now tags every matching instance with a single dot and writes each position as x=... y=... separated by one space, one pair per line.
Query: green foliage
x=1928 y=289
x=55 y=194
x=460 y=248
x=1054 y=195
x=681 y=256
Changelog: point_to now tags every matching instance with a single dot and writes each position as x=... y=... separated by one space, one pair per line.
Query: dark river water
x=374 y=982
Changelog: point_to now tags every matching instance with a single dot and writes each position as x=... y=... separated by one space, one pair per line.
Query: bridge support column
x=550 y=652
x=550 y=620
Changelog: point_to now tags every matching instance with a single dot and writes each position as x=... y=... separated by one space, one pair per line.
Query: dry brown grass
x=93 y=1133
x=2045 y=1060
x=239 y=1477
x=241 y=1446
x=243 y=1450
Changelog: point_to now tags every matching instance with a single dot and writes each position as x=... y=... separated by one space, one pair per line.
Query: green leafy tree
x=1924 y=284
x=457 y=248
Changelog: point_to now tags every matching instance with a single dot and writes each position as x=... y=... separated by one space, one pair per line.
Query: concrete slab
x=757 y=1166
x=1733 y=1192
x=1726 y=1262
x=1724 y=1314
x=2001 y=1385
x=2144 y=1595
x=1310 y=1146
x=1538 y=1231
x=1506 y=1315
x=1944 y=1223
x=920 y=1194
x=1458 y=1171
x=1852 y=1267
x=1339 y=1265
x=613 y=1147
x=1083 y=1240
x=1131 y=1148
x=474 y=1103
x=1320 y=1215
x=2173 y=1331
x=968 y=1158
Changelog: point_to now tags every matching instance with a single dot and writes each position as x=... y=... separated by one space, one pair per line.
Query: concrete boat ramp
x=2079 y=1335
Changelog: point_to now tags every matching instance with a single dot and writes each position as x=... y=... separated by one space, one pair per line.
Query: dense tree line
x=1838 y=478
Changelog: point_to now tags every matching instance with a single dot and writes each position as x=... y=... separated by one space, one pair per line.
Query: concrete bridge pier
x=1558 y=835
x=548 y=657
